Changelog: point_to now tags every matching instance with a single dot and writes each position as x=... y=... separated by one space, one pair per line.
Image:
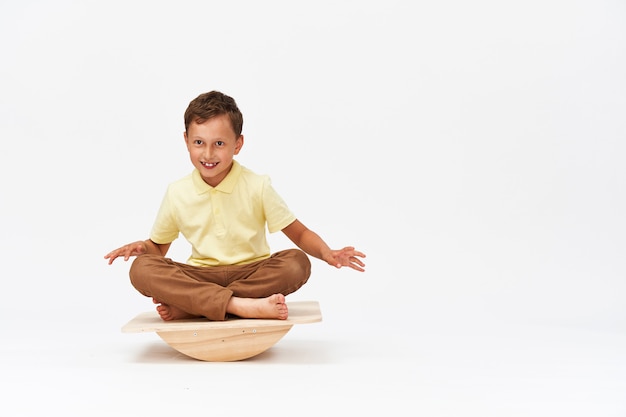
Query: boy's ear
x=238 y=144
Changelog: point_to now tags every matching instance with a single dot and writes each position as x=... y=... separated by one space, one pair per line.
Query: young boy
x=222 y=209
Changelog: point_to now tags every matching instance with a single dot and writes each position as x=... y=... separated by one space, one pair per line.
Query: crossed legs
x=255 y=290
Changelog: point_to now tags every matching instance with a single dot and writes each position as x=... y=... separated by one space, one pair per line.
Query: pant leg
x=197 y=290
x=282 y=273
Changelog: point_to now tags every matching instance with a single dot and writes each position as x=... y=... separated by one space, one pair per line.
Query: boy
x=222 y=209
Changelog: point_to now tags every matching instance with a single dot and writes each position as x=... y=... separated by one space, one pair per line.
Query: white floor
x=345 y=365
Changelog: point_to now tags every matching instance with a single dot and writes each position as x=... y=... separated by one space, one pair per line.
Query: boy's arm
x=138 y=248
x=311 y=243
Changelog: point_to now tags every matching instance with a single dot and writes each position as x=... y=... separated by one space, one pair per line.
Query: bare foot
x=169 y=312
x=272 y=307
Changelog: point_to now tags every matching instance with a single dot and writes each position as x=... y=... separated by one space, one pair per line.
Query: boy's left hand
x=347 y=256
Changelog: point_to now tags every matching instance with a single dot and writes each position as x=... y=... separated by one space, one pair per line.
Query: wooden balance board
x=224 y=341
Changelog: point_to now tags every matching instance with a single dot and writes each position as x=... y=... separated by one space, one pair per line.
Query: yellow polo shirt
x=225 y=225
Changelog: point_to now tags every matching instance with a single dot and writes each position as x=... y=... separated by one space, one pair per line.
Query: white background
x=474 y=150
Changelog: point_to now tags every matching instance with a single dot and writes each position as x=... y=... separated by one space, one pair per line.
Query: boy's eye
x=219 y=143
x=197 y=142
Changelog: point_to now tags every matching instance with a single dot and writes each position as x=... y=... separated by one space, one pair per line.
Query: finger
x=110 y=255
x=357 y=261
x=357 y=268
x=350 y=251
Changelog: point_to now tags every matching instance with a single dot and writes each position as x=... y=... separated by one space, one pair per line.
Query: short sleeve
x=277 y=213
x=165 y=228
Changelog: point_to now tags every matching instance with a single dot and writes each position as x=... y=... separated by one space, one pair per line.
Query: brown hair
x=212 y=104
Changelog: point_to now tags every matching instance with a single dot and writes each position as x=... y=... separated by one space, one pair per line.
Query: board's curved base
x=228 y=340
x=225 y=345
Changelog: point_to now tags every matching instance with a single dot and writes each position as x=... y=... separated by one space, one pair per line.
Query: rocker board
x=224 y=341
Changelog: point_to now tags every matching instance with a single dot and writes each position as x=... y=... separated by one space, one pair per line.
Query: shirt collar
x=226 y=186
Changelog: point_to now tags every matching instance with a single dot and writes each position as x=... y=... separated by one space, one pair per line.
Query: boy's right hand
x=132 y=249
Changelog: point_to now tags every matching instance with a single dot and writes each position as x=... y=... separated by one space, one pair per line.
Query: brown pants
x=205 y=291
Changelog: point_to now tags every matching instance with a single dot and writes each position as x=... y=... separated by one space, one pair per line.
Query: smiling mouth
x=209 y=165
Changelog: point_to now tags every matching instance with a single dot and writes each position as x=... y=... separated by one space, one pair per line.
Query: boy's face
x=211 y=147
